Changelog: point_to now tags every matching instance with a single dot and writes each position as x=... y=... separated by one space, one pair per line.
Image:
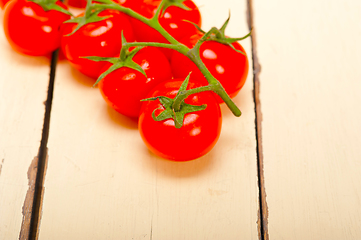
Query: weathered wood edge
x=38 y=205
x=27 y=209
x=43 y=154
x=32 y=207
x=34 y=197
x=263 y=208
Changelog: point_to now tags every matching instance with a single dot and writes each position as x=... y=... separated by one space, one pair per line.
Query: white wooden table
x=288 y=168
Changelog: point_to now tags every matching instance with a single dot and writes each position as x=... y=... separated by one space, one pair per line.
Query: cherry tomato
x=123 y=88
x=172 y=21
x=31 y=30
x=229 y=67
x=101 y=38
x=197 y=136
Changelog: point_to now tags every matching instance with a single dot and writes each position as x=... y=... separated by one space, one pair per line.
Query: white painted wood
x=23 y=90
x=102 y=182
x=310 y=97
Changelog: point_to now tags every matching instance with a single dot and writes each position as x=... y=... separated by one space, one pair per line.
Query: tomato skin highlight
x=101 y=39
x=229 y=67
x=123 y=88
x=195 y=138
x=31 y=30
x=172 y=21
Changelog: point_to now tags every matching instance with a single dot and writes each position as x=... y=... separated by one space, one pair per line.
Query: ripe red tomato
x=101 y=38
x=229 y=67
x=197 y=136
x=31 y=30
x=172 y=21
x=123 y=88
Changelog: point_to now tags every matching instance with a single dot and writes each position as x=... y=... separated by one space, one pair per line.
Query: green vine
x=193 y=54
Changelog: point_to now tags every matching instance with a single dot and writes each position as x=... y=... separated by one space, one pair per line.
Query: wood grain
x=102 y=182
x=23 y=90
x=310 y=82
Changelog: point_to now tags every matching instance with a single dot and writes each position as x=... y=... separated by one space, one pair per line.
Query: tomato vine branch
x=192 y=54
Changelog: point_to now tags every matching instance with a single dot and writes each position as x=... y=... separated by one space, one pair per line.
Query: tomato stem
x=178 y=47
x=184 y=94
x=192 y=54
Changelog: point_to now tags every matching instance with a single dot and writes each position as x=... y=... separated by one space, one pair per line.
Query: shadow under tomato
x=119 y=119
x=21 y=58
x=174 y=169
x=81 y=78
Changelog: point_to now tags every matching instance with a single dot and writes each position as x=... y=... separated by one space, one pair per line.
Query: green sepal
x=81 y=21
x=102 y=59
x=170 y=112
x=186 y=108
x=48 y=5
x=118 y=63
x=184 y=85
x=218 y=35
x=232 y=40
x=225 y=24
x=177 y=3
x=166 y=103
x=195 y=25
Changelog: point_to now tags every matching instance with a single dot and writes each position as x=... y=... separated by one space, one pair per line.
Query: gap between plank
x=263 y=209
x=43 y=155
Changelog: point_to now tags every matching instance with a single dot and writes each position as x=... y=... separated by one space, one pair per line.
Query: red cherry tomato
x=31 y=30
x=172 y=21
x=197 y=136
x=123 y=88
x=101 y=39
x=229 y=67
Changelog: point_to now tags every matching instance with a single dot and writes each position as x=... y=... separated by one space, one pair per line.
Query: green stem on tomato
x=158 y=11
x=193 y=55
x=153 y=22
x=88 y=8
x=184 y=94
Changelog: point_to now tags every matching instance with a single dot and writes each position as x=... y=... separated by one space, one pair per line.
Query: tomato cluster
x=144 y=82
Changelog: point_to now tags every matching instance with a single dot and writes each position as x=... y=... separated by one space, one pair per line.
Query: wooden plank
x=310 y=82
x=23 y=90
x=102 y=182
